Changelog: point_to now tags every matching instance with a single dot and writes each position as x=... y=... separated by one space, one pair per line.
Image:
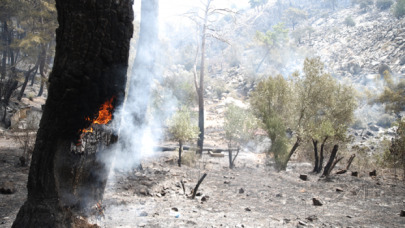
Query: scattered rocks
x=280 y=195
x=341 y=171
x=7 y=188
x=317 y=201
x=143 y=214
x=302 y=223
x=241 y=191
x=205 y=198
x=312 y=218
x=303 y=177
x=339 y=190
x=248 y=209
x=227 y=182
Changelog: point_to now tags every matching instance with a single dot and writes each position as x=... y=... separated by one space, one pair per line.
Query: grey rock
x=7 y=188
x=317 y=201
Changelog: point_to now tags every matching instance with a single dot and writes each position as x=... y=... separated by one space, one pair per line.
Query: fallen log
x=173 y=148
x=349 y=162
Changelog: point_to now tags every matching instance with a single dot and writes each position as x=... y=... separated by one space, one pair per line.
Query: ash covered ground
x=251 y=195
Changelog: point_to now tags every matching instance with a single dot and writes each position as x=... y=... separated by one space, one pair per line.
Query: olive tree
x=273 y=102
x=313 y=105
x=240 y=125
x=181 y=128
x=326 y=107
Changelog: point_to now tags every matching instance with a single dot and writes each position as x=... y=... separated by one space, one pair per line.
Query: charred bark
x=328 y=166
x=315 y=143
x=320 y=166
x=26 y=81
x=180 y=151
x=92 y=50
x=200 y=141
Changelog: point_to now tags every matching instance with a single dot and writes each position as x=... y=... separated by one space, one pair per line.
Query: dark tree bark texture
x=91 y=60
x=328 y=166
x=315 y=143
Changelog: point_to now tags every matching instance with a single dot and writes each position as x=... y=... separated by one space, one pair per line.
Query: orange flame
x=104 y=115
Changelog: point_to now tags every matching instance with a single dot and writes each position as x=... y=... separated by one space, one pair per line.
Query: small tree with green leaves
x=325 y=108
x=398 y=10
x=273 y=102
x=349 y=21
x=271 y=39
x=240 y=125
x=181 y=129
x=392 y=96
x=294 y=15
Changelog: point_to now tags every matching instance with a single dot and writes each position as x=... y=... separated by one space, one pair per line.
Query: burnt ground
x=270 y=199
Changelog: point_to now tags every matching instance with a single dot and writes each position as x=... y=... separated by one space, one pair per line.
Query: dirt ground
x=154 y=197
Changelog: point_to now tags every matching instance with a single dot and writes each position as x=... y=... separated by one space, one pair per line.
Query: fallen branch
x=198 y=185
x=334 y=164
x=182 y=184
x=173 y=148
x=349 y=162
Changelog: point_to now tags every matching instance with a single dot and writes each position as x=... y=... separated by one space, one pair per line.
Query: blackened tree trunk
x=42 y=58
x=230 y=158
x=321 y=157
x=26 y=81
x=91 y=60
x=180 y=152
x=200 y=141
x=315 y=143
x=328 y=166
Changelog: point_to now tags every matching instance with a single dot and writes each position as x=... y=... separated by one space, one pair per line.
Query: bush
x=383 y=4
x=359 y=124
x=385 y=121
x=349 y=21
x=399 y=9
x=31 y=96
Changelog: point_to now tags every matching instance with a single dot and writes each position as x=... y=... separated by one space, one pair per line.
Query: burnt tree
x=91 y=60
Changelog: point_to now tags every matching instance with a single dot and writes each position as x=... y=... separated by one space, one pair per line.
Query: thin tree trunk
x=33 y=77
x=198 y=185
x=237 y=153
x=200 y=142
x=315 y=143
x=230 y=158
x=26 y=82
x=333 y=165
x=265 y=56
x=64 y=184
x=293 y=149
x=331 y=158
x=320 y=166
x=180 y=151
x=349 y=162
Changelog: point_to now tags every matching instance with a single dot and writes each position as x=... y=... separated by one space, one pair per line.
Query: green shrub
x=398 y=10
x=383 y=4
x=31 y=96
x=349 y=21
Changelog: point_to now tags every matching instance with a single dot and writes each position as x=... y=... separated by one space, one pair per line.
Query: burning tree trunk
x=92 y=49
